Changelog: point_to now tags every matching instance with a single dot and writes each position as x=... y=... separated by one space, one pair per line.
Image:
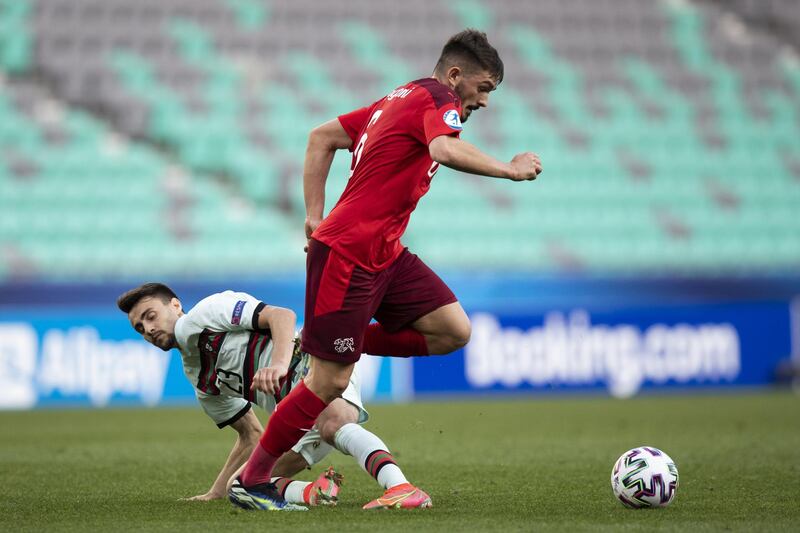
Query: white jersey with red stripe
x=222 y=348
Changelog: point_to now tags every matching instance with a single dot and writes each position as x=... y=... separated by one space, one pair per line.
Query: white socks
x=293 y=490
x=371 y=454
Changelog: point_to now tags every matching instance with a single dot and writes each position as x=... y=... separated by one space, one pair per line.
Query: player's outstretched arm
x=248 y=429
x=281 y=323
x=460 y=155
x=323 y=141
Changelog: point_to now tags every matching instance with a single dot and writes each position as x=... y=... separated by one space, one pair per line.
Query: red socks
x=294 y=416
x=403 y=343
x=259 y=467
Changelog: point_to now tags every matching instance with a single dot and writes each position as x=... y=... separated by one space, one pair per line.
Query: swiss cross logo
x=342 y=345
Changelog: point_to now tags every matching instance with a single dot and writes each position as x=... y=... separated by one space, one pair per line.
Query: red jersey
x=391 y=170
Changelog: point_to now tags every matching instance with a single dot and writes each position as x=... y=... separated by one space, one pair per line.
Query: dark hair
x=127 y=301
x=470 y=49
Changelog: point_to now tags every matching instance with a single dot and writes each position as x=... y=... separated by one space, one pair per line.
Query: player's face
x=155 y=320
x=473 y=89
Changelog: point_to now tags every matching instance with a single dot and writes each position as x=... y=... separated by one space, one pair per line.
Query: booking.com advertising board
x=70 y=346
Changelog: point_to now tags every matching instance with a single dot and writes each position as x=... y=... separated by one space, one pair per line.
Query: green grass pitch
x=514 y=465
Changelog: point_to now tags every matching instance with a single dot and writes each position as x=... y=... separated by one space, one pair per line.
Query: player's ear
x=454 y=75
x=176 y=304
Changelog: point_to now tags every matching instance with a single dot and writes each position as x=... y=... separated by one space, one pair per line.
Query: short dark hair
x=470 y=49
x=128 y=301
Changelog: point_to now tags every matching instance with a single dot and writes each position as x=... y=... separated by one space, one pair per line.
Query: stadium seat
x=668 y=153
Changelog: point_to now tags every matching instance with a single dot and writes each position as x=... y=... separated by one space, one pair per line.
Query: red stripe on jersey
x=209 y=344
x=255 y=347
x=247 y=367
x=334 y=283
x=287 y=380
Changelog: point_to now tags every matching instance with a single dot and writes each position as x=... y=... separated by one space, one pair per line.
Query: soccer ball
x=644 y=477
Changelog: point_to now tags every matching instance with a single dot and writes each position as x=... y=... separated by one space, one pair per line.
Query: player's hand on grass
x=525 y=167
x=268 y=379
x=311 y=225
x=207 y=497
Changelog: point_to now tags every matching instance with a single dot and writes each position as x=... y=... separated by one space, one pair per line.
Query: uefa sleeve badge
x=452 y=119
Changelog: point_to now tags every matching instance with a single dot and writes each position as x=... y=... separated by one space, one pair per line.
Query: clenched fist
x=525 y=167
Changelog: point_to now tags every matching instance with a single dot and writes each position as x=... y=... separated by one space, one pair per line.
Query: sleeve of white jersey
x=223 y=410
x=227 y=311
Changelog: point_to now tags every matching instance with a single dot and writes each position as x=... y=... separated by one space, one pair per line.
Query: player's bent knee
x=336 y=415
x=340 y=383
x=329 y=429
x=328 y=380
x=462 y=335
x=458 y=330
x=334 y=388
x=330 y=389
x=458 y=336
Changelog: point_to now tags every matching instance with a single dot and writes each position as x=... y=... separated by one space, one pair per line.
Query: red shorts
x=342 y=298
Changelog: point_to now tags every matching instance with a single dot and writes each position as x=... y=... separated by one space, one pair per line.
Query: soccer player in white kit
x=227 y=342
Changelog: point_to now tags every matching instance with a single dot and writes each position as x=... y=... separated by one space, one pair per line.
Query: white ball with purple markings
x=644 y=477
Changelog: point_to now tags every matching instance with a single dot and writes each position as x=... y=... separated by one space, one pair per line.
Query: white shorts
x=311 y=446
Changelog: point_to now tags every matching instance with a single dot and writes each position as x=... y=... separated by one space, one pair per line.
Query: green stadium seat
x=250 y=14
x=627 y=136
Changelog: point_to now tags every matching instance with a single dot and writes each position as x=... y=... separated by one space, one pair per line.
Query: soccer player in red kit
x=357 y=269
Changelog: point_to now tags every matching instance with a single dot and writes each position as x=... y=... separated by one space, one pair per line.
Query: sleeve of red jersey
x=443 y=120
x=353 y=122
